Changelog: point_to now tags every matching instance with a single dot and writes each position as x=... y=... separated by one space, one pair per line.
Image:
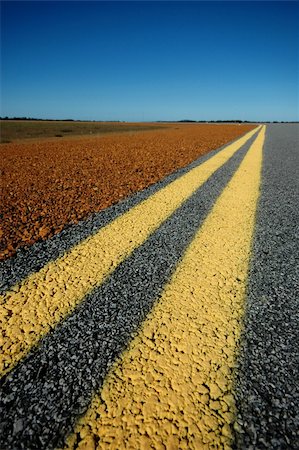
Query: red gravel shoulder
x=47 y=185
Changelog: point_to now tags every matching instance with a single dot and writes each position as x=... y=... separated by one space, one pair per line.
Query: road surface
x=169 y=320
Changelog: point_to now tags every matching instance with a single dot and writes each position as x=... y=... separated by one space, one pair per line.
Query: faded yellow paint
x=30 y=309
x=172 y=388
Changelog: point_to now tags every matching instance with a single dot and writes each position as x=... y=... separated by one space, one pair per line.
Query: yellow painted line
x=29 y=310
x=172 y=388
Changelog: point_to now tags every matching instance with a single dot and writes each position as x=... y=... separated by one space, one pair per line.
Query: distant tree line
x=56 y=120
x=34 y=118
x=157 y=121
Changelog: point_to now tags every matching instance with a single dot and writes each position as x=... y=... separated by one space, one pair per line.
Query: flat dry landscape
x=18 y=130
x=48 y=184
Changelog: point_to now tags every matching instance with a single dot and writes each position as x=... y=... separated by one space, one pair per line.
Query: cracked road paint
x=173 y=387
x=29 y=310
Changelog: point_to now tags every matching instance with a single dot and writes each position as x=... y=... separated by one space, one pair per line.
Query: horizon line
x=148 y=121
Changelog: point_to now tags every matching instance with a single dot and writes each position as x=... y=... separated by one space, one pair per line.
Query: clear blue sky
x=150 y=60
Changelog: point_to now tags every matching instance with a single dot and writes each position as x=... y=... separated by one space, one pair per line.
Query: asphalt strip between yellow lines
x=30 y=309
x=173 y=387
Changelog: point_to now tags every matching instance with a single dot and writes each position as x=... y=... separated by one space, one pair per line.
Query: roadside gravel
x=47 y=185
x=33 y=258
x=38 y=411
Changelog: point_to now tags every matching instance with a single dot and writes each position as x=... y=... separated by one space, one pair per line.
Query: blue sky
x=139 y=61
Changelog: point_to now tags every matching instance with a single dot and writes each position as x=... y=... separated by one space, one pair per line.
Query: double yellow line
x=29 y=310
x=173 y=387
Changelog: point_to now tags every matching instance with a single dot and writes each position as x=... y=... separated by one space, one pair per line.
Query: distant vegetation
x=157 y=121
x=33 y=118
x=19 y=128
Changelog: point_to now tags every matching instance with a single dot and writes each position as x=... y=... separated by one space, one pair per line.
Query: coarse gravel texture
x=47 y=185
x=172 y=387
x=268 y=380
x=45 y=393
x=30 y=259
x=28 y=311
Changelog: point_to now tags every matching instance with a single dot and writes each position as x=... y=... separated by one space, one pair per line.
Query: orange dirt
x=49 y=184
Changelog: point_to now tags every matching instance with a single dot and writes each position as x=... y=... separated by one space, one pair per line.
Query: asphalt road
x=167 y=321
x=268 y=379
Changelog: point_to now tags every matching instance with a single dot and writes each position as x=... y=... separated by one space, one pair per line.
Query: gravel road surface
x=48 y=185
x=61 y=392
x=268 y=381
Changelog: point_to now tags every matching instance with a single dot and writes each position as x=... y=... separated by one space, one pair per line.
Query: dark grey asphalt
x=42 y=397
x=268 y=380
